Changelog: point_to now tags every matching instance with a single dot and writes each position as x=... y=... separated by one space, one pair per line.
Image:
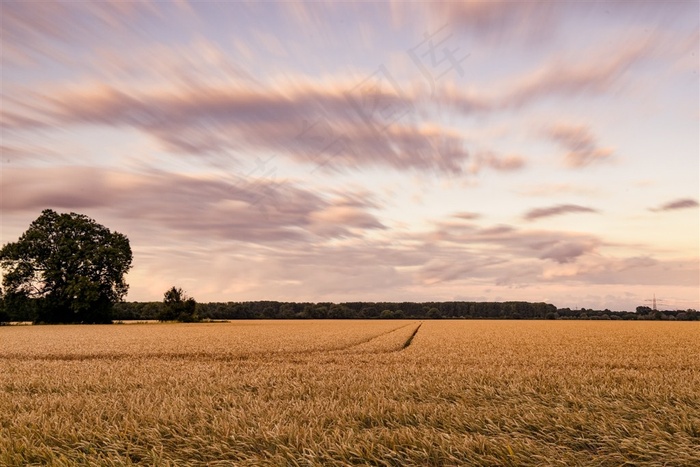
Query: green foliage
x=70 y=265
x=177 y=306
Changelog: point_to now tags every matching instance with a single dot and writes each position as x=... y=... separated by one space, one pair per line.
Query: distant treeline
x=25 y=310
x=394 y=310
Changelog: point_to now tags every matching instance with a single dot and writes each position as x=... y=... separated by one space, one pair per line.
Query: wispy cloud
x=505 y=22
x=684 y=203
x=593 y=76
x=466 y=215
x=581 y=144
x=516 y=243
x=549 y=190
x=319 y=124
x=598 y=70
x=501 y=20
x=44 y=30
x=511 y=256
x=236 y=208
x=500 y=163
x=560 y=209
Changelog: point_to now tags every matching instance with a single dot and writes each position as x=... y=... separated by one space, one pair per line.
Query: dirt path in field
x=391 y=341
x=372 y=339
x=395 y=339
x=410 y=339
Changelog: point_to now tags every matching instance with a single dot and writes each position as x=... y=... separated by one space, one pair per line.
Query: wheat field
x=386 y=393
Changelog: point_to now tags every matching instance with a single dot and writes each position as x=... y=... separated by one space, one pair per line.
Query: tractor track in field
x=212 y=356
x=367 y=340
x=399 y=348
x=410 y=338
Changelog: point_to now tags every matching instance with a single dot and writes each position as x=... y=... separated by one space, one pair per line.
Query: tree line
x=177 y=306
x=392 y=310
x=345 y=310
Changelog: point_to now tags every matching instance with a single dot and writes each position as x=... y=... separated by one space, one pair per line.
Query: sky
x=389 y=151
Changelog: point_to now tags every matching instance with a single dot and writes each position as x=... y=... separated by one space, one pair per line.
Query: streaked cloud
x=505 y=22
x=684 y=203
x=466 y=215
x=501 y=20
x=598 y=70
x=35 y=31
x=257 y=211
x=314 y=123
x=557 y=210
x=558 y=189
x=519 y=243
x=581 y=144
x=500 y=163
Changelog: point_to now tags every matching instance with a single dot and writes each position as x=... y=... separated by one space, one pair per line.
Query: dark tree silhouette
x=4 y=316
x=70 y=265
x=178 y=306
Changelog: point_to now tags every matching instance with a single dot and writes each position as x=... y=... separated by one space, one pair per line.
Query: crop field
x=258 y=393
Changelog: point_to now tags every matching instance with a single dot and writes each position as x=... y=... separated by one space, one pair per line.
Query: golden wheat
x=349 y=393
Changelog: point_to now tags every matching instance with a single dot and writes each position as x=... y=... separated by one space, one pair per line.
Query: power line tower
x=654 y=301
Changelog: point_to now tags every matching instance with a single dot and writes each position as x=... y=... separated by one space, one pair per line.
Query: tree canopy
x=72 y=265
x=178 y=306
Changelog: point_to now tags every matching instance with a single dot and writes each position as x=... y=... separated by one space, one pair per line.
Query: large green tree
x=71 y=265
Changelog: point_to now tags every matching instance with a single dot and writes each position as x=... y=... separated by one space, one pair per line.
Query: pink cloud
x=258 y=211
x=557 y=189
x=43 y=29
x=677 y=204
x=597 y=71
x=316 y=124
x=339 y=220
x=512 y=257
x=466 y=215
x=505 y=21
x=499 y=20
x=581 y=144
x=562 y=247
x=567 y=251
x=499 y=163
x=556 y=211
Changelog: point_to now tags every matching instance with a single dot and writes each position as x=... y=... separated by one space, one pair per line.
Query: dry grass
x=344 y=393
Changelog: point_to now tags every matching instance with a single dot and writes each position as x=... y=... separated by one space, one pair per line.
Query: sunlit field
x=352 y=392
